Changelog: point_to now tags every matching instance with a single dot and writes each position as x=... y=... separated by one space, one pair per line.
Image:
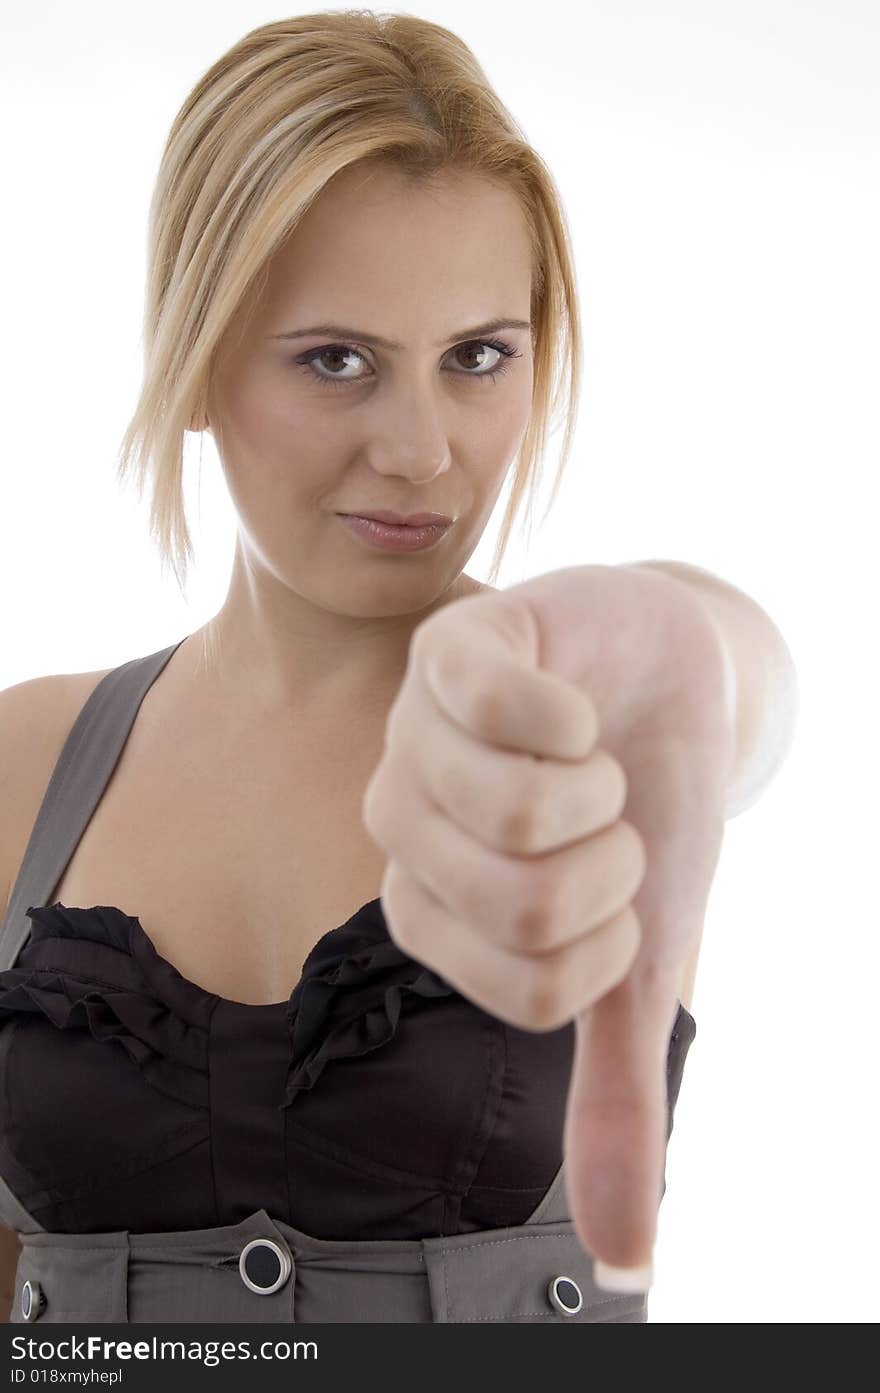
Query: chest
x=235 y=850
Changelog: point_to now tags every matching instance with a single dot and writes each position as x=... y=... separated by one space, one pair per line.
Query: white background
x=719 y=167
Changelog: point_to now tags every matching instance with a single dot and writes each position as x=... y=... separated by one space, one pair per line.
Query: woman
x=219 y=1106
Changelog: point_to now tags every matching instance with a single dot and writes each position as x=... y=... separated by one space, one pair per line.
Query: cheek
x=272 y=414
x=276 y=440
x=504 y=432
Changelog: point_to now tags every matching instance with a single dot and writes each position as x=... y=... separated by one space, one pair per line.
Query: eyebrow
x=339 y=331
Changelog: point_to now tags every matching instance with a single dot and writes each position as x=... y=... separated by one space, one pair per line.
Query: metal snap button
x=33 y=1300
x=565 y=1295
x=264 y=1266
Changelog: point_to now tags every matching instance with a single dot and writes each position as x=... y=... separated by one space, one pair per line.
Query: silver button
x=264 y=1266
x=33 y=1300
x=565 y=1295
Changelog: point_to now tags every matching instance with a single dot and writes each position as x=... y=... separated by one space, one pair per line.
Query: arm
x=764 y=687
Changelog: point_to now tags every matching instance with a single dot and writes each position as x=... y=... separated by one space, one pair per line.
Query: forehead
x=378 y=246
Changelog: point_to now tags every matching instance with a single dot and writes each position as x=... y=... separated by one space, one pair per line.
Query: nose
x=409 y=436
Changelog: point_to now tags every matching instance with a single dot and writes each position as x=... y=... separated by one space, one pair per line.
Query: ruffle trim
x=349 y=999
x=103 y=924
x=170 y=1052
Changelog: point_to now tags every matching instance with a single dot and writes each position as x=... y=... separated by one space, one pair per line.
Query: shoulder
x=35 y=719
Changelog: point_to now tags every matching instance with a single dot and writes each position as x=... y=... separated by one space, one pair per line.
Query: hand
x=550 y=797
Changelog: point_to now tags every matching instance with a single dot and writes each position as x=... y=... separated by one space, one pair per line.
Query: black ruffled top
x=376 y=1102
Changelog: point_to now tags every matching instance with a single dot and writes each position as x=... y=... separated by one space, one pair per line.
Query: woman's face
x=324 y=423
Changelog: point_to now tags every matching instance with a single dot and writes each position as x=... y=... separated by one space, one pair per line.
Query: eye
x=310 y=362
x=504 y=350
x=336 y=350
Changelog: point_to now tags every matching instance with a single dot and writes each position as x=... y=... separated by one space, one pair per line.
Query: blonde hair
x=259 y=136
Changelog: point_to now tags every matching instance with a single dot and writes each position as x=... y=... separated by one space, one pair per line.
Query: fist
x=511 y=869
x=550 y=797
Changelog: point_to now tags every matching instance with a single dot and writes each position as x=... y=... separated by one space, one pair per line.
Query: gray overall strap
x=81 y=774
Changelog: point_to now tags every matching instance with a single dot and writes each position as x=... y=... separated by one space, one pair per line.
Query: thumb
x=615 y=1130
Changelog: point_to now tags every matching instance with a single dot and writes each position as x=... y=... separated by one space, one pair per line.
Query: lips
x=404 y=519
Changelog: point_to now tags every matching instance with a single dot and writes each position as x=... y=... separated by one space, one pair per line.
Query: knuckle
x=487 y=704
x=521 y=823
x=536 y=910
x=517 y=828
